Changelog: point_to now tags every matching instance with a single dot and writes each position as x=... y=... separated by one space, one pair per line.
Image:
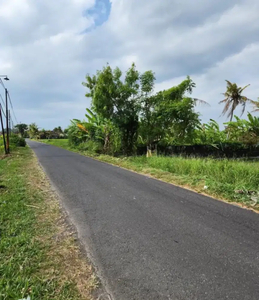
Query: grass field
x=38 y=254
x=232 y=180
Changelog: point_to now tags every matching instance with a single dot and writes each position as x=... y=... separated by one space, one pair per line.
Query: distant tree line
x=33 y=131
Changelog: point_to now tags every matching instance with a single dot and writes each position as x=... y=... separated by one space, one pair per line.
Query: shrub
x=91 y=146
x=17 y=141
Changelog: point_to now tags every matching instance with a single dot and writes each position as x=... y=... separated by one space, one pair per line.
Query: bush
x=91 y=146
x=17 y=141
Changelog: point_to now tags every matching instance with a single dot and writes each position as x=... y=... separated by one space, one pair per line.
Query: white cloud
x=46 y=55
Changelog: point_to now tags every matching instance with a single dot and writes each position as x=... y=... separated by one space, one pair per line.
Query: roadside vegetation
x=38 y=254
x=162 y=133
x=233 y=180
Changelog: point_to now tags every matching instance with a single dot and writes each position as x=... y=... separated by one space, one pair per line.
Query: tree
x=58 y=129
x=57 y=132
x=42 y=134
x=233 y=98
x=128 y=107
x=22 y=129
x=147 y=101
x=117 y=101
x=33 y=130
x=175 y=113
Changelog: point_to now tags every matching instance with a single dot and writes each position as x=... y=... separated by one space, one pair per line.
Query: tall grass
x=224 y=170
x=223 y=177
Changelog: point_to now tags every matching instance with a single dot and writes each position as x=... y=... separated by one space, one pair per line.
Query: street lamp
x=5 y=77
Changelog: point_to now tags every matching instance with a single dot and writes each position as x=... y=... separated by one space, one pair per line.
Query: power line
x=2 y=100
x=2 y=110
x=2 y=83
x=12 y=107
x=9 y=101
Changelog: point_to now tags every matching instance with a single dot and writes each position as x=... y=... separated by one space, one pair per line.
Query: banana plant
x=75 y=133
x=253 y=124
x=210 y=133
x=96 y=128
x=246 y=131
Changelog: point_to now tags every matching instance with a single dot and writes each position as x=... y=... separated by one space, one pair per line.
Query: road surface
x=152 y=240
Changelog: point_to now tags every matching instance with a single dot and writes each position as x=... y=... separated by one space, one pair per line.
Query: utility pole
x=2 y=125
x=7 y=122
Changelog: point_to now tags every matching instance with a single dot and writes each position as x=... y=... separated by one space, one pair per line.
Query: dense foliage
x=15 y=141
x=125 y=112
x=127 y=115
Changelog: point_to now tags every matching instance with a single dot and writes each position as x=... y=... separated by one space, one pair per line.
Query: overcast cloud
x=47 y=47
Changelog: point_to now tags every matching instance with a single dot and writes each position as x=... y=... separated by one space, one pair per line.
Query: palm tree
x=33 y=130
x=233 y=98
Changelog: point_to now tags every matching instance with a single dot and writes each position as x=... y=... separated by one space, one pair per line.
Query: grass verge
x=38 y=253
x=227 y=179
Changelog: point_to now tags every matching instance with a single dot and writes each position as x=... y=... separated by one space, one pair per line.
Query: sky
x=47 y=47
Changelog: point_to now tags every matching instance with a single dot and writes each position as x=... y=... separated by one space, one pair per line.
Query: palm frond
x=255 y=105
x=222 y=101
x=226 y=108
x=199 y=101
x=228 y=83
x=244 y=88
x=243 y=109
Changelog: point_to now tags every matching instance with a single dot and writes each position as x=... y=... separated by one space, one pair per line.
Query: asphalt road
x=151 y=240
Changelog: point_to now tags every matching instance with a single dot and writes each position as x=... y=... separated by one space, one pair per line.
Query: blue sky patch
x=100 y=13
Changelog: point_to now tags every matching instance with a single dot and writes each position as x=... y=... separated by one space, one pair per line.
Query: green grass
x=56 y=142
x=221 y=178
x=32 y=262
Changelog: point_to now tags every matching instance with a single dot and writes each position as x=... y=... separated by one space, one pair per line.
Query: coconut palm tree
x=233 y=98
x=33 y=130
